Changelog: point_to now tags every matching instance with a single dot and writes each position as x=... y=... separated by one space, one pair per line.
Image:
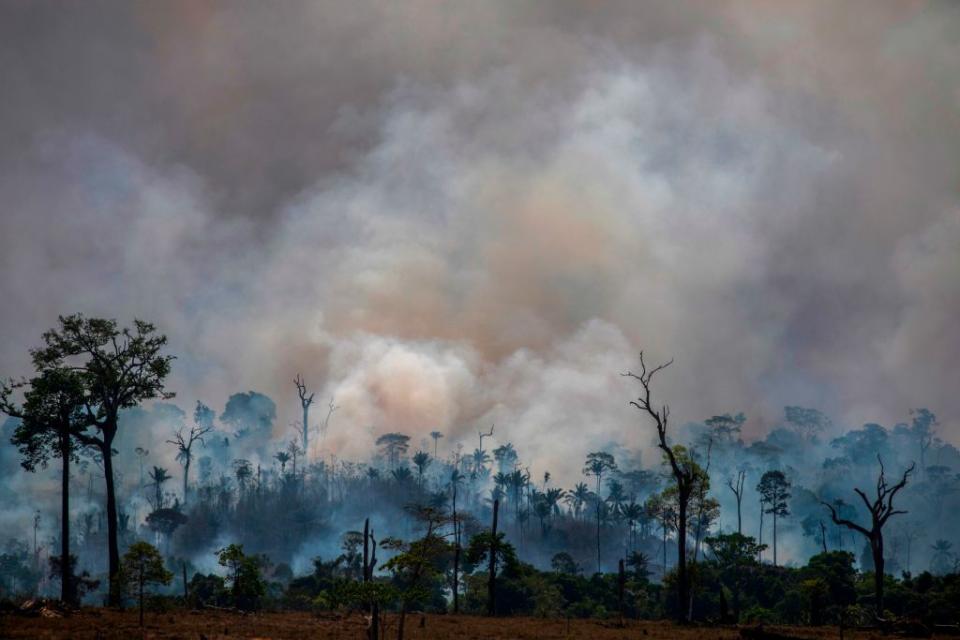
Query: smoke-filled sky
x=452 y=214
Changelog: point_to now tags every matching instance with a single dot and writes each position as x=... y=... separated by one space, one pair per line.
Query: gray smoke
x=446 y=216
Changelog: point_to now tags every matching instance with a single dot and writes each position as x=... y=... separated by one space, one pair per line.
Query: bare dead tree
x=485 y=435
x=881 y=509
x=684 y=472
x=305 y=402
x=331 y=407
x=737 y=487
x=184 y=444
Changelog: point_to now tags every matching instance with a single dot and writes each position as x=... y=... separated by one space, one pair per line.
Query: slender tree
x=158 y=476
x=306 y=399
x=684 y=472
x=775 y=490
x=436 y=435
x=736 y=486
x=185 y=441
x=119 y=369
x=421 y=460
x=598 y=463
x=52 y=419
x=881 y=509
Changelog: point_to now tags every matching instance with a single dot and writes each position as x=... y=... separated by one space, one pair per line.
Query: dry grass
x=104 y=624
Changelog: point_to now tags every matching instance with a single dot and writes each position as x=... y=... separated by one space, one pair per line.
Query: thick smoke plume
x=447 y=216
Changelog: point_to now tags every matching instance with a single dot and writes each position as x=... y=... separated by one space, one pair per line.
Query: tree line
x=658 y=545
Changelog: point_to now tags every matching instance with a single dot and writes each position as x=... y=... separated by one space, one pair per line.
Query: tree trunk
x=186 y=478
x=739 y=517
x=682 y=578
x=492 y=580
x=366 y=550
x=306 y=422
x=760 y=537
x=774 y=537
x=141 y=596
x=598 y=535
x=456 y=578
x=113 y=547
x=621 y=585
x=67 y=595
x=456 y=554
x=876 y=546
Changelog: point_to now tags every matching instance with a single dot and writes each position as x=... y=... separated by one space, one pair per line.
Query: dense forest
x=807 y=525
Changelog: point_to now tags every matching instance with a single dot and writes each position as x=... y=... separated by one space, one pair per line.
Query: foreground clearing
x=104 y=624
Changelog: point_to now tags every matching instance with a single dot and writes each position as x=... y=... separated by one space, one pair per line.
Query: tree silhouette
x=736 y=486
x=158 y=476
x=421 y=460
x=684 y=474
x=283 y=458
x=243 y=472
x=775 y=489
x=119 y=369
x=184 y=442
x=394 y=445
x=436 y=435
x=305 y=401
x=142 y=566
x=881 y=510
x=597 y=464
x=808 y=423
x=52 y=419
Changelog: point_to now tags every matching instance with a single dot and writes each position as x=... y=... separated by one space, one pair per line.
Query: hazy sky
x=449 y=214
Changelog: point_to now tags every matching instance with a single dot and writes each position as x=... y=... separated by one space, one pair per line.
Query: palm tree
x=480 y=459
x=553 y=498
x=579 y=497
x=158 y=476
x=615 y=495
x=283 y=458
x=541 y=509
x=436 y=435
x=632 y=513
x=517 y=481
x=598 y=463
x=506 y=456
x=421 y=459
x=401 y=474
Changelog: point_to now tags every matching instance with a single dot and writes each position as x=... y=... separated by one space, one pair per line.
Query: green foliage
x=244 y=577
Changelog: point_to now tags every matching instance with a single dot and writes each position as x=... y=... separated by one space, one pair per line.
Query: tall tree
x=808 y=423
x=881 y=509
x=52 y=419
x=684 y=472
x=736 y=486
x=306 y=399
x=923 y=430
x=119 y=369
x=394 y=445
x=775 y=490
x=436 y=435
x=421 y=460
x=598 y=463
x=158 y=476
x=185 y=442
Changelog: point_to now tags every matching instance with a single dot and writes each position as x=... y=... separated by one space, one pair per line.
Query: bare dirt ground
x=102 y=624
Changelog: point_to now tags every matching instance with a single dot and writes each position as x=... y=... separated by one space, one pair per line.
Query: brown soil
x=103 y=624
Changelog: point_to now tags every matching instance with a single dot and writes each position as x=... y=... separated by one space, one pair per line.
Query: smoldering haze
x=451 y=216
